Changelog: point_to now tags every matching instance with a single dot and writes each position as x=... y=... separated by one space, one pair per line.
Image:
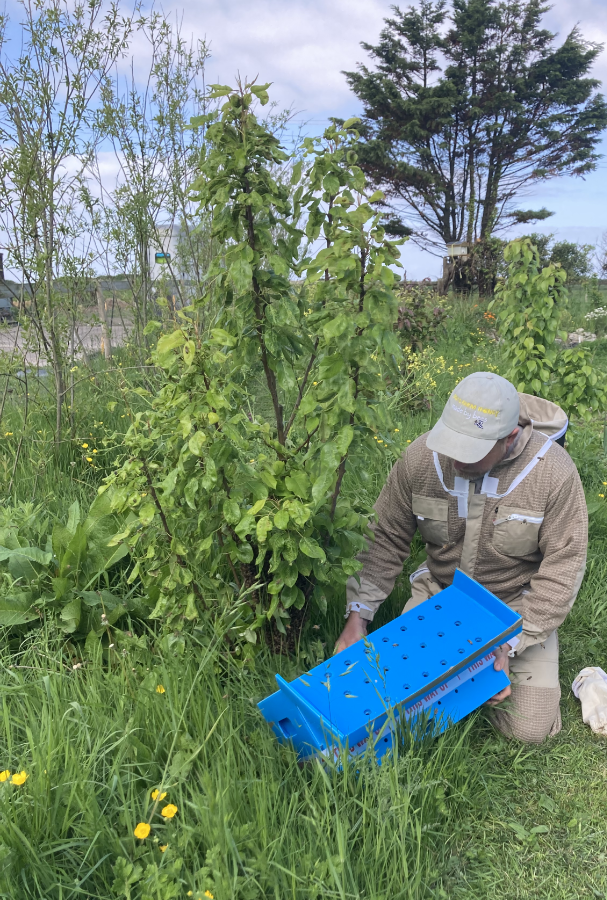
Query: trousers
x=532 y=712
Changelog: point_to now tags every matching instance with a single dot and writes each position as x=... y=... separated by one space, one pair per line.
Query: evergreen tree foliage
x=470 y=101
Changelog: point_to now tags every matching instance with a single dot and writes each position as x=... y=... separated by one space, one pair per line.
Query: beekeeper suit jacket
x=521 y=531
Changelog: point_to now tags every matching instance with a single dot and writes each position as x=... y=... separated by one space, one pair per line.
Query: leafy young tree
x=47 y=94
x=469 y=102
x=146 y=122
x=529 y=303
x=237 y=494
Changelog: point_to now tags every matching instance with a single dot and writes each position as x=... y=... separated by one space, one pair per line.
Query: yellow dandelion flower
x=85 y=446
x=142 y=831
x=208 y=894
x=4 y=776
x=397 y=429
x=408 y=442
x=19 y=778
x=89 y=459
x=169 y=811
x=602 y=495
x=8 y=434
x=190 y=894
x=163 y=847
x=160 y=689
x=94 y=451
x=314 y=382
x=156 y=795
x=605 y=483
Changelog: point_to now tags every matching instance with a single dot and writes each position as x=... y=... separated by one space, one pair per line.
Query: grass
x=464 y=816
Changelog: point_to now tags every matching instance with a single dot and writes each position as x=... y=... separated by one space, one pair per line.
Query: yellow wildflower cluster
x=18 y=778
x=143 y=829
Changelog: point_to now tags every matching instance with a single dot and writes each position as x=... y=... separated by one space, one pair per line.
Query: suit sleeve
x=386 y=553
x=563 y=542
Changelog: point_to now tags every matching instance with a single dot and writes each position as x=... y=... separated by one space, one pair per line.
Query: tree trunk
x=106 y=345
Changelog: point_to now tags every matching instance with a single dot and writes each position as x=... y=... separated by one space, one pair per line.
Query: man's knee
x=531 y=714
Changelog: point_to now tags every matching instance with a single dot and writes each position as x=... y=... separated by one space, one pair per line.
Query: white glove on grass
x=590 y=687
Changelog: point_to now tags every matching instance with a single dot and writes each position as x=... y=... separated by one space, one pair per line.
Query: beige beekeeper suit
x=521 y=531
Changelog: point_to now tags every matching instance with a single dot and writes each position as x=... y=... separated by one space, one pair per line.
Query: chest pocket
x=432 y=515
x=516 y=531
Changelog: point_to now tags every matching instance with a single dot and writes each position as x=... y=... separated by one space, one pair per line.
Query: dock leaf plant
x=278 y=376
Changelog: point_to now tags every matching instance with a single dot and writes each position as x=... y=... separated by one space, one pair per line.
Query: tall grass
x=96 y=740
x=462 y=816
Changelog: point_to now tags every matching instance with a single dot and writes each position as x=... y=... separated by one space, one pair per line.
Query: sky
x=302 y=46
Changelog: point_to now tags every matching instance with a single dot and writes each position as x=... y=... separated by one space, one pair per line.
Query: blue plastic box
x=436 y=658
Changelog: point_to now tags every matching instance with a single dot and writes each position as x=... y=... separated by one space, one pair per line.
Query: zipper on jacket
x=516 y=517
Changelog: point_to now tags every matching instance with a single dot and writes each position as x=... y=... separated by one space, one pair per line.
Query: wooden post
x=106 y=344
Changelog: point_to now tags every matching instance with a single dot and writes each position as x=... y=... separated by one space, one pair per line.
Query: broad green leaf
x=147 y=512
x=30 y=553
x=231 y=511
x=311 y=548
x=281 y=518
x=197 y=442
x=264 y=526
x=171 y=341
x=73 y=517
x=70 y=615
x=17 y=610
x=189 y=352
x=222 y=337
x=299 y=484
x=257 y=507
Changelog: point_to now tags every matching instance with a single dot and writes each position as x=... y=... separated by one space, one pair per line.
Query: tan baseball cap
x=482 y=409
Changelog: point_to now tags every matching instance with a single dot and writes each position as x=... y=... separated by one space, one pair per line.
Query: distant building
x=166 y=253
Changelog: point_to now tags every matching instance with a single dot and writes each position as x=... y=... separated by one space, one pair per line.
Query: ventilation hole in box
x=457 y=623
x=438 y=606
x=367 y=681
x=443 y=662
x=441 y=633
x=425 y=674
x=478 y=640
x=456 y=691
x=406 y=687
x=421 y=618
x=405 y=656
x=386 y=668
x=347 y=662
x=472 y=679
x=385 y=640
x=287 y=727
x=403 y=627
x=423 y=646
x=385 y=740
x=439 y=702
x=460 y=650
x=367 y=712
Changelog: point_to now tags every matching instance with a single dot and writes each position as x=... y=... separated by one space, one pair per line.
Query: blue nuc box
x=436 y=658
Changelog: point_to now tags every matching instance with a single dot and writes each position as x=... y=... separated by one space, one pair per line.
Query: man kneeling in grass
x=493 y=494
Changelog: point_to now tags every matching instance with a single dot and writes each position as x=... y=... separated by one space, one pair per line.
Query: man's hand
x=355 y=629
x=501 y=664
